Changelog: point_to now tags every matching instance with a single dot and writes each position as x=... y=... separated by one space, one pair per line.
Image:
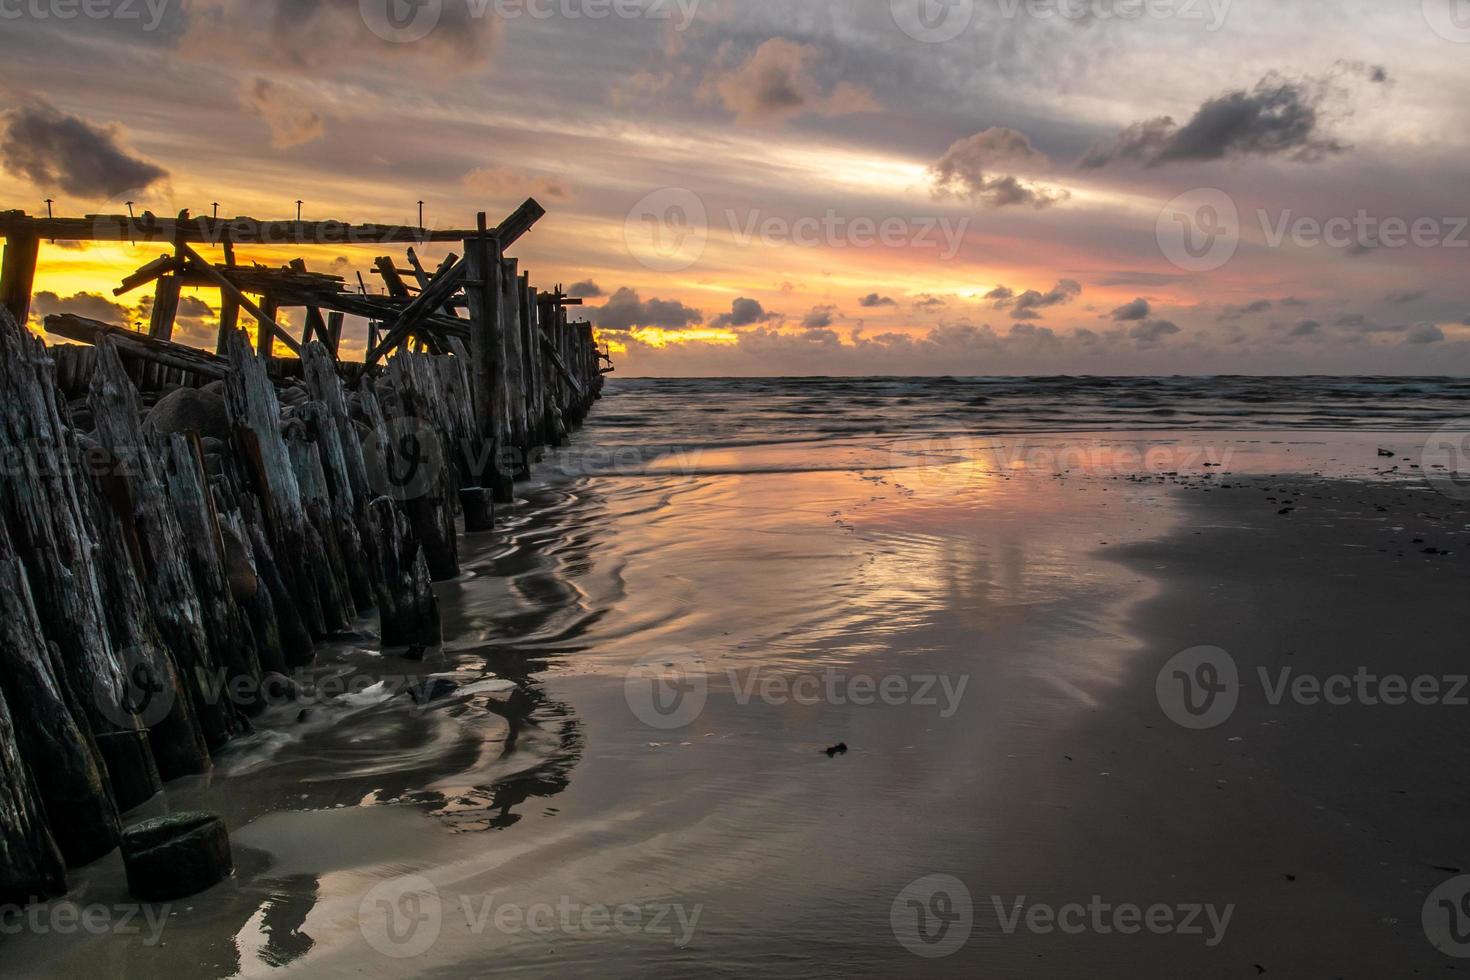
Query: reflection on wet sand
x=513 y=769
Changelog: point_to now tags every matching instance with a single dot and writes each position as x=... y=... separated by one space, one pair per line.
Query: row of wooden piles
x=151 y=579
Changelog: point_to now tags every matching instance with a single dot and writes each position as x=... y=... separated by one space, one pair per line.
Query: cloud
x=292 y=122
x=1139 y=309
x=55 y=150
x=1279 y=117
x=778 y=82
x=1000 y=294
x=504 y=182
x=873 y=300
x=743 y=313
x=193 y=306
x=309 y=36
x=1401 y=298
x=626 y=310
x=1028 y=303
x=926 y=302
x=1306 y=328
x=586 y=289
x=90 y=305
x=967 y=170
x=1424 y=333
x=1152 y=332
x=819 y=318
x=1232 y=313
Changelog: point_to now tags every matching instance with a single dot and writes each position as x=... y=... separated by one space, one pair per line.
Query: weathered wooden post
x=487 y=348
x=515 y=389
x=18 y=273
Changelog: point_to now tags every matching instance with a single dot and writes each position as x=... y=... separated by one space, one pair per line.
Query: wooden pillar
x=18 y=275
x=333 y=340
x=531 y=363
x=229 y=320
x=515 y=387
x=487 y=344
x=265 y=342
x=165 y=308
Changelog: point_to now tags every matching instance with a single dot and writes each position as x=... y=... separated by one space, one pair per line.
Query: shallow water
x=714 y=583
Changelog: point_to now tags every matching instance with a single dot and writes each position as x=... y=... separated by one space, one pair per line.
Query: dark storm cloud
x=56 y=150
x=743 y=313
x=1279 y=117
x=1424 y=333
x=626 y=310
x=1139 y=309
x=1028 y=303
x=586 y=289
x=819 y=318
x=1152 y=332
x=90 y=305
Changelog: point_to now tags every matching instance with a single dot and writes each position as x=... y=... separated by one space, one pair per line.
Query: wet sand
x=1020 y=613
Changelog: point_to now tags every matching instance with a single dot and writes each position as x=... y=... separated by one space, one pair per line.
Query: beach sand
x=1019 y=611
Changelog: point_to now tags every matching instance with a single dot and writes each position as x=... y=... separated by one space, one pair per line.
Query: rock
x=432 y=689
x=175 y=856
x=186 y=410
x=1385 y=454
x=839 y=749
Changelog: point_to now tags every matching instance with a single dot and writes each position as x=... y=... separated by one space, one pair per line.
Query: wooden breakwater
x=180 y=526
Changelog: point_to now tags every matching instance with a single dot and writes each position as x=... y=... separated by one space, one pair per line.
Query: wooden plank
x=229 y=319
x=165 y=308
x=18 y=274
x=383 y=265
x=162 y=266
x=204 y=230
x=137 y=345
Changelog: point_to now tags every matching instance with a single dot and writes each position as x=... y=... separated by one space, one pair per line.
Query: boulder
x=175 y=856
x=189 y=409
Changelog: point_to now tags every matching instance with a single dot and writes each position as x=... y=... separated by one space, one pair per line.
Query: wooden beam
x=162 y=266
x=425 y=305
x=146 y=348
x=384 y=267
x=268 y=323
x=213 y=231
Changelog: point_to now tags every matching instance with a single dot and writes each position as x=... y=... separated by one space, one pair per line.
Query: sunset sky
x=791 y=187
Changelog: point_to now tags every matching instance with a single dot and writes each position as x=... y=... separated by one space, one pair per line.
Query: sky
x=792 y=187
